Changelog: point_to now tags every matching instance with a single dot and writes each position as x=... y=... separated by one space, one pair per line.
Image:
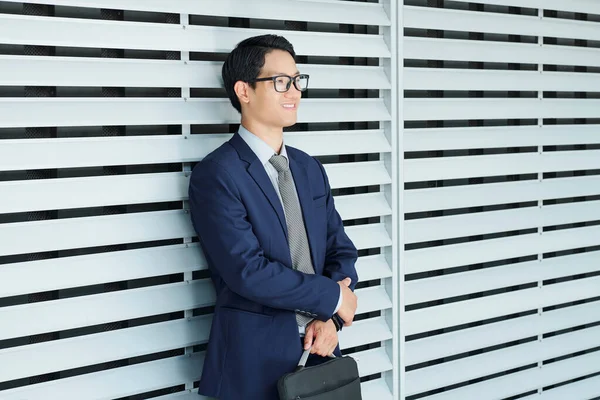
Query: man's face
x=269 y=107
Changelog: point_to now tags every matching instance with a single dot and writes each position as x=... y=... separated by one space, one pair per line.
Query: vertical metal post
x=393 y=193
x=186 y=131
x=540 y=182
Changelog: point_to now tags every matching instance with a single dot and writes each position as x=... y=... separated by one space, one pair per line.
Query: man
x=282 y=265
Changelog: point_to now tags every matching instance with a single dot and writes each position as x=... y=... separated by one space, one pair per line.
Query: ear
x=242 y=90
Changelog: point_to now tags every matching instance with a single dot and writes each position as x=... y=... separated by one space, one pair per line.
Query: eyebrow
x=283 y=73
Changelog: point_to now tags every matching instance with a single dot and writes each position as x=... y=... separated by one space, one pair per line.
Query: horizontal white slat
x=97 y=72
x=490 y=108
x=362 y=205
x=449 y=373
x=522 y=382
x=471 y=79
x=504 y=136
x=17 y=154
x=56 y=315
x=457 y=313
x=72 y=233
x=77 y=271
x=462 y=312
x=581 y=390
x=445 y=286
x=365 y=331
x=116 y=383
x=314 y=10
x=97 y=348
x=106 y=151
x=372 y=267
x=369 y=236
x=427 y=229
x=568 y=369
x=499 y=193
x=502 y=52
x=440 y=257
x=372 y=361
x=73 y=32
x=84 y=232
x=365 y=173
x=86 y=270
x=92 y=269
x=322 y=143
x=569 y=291
x=478 y=337
x=424 y=169
x=374 y=298
x=68 y=193
x=581 y=6
x=487 y=22
x=22 y=112
x=376 y=389
x=74 y=312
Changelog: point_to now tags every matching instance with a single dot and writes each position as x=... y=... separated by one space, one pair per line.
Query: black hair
x=245 y=62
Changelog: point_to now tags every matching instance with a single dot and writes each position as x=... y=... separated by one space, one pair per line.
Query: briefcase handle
x=304 y=358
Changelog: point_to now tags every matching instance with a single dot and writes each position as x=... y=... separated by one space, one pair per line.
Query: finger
x=332 y=346
x=308 y=338
x=347 y=281
x=319 y=345
x=331 y=350
x=317 y=348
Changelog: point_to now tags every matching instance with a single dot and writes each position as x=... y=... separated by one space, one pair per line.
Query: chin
x=286 y=123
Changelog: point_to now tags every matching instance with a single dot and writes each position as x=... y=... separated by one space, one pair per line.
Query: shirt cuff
x=339 y=303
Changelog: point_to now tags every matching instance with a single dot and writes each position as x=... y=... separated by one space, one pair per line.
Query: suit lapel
x=258 y=173
x=301 y=180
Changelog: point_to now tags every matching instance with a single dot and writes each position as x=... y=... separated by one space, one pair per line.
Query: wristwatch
x=338 y=322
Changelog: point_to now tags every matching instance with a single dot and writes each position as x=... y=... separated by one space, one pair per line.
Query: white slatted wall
x=488 y=287
x=104 y=108
x=502 y=199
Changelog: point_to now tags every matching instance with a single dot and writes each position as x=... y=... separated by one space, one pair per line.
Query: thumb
x=308 y=338
x=347 y=281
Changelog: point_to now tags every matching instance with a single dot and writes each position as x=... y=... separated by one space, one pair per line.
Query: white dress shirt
x=264 y=152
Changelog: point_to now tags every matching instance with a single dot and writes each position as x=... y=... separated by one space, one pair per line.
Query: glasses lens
x=282 y=83
x=301 y=82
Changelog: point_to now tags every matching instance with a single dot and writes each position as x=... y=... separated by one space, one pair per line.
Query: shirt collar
x=263 y=151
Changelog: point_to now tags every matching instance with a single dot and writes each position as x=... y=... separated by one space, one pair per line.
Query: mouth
x=291 y=107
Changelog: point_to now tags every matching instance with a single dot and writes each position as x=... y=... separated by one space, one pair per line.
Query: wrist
x=338 y=322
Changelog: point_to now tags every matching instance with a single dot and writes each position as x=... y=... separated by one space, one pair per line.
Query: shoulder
x=299 y=156
x=221 y=161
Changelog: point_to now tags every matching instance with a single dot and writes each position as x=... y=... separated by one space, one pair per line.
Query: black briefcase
x=333 y=380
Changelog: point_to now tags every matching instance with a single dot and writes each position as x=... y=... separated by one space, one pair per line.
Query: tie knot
x=280 y=163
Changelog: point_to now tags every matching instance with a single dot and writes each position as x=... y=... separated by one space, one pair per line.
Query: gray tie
x=297 y=239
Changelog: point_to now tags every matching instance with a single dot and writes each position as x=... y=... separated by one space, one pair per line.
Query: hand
x=349 y=302
x=322 y=336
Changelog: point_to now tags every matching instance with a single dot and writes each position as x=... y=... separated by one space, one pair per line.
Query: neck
x=273 y=136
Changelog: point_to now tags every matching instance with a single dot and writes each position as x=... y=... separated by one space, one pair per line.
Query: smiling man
x=282 y=265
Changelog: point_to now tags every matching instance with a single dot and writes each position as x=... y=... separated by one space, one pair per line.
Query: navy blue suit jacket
x=241 y=226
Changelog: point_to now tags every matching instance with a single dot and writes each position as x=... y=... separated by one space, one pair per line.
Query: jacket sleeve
x=341 y=254
x=227 y=239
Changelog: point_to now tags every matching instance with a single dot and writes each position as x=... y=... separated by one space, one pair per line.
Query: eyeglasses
x=283 y=83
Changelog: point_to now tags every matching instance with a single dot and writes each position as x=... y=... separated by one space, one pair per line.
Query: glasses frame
x=292 y=79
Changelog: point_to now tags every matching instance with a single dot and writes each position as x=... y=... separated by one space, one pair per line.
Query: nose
x=293 y=93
